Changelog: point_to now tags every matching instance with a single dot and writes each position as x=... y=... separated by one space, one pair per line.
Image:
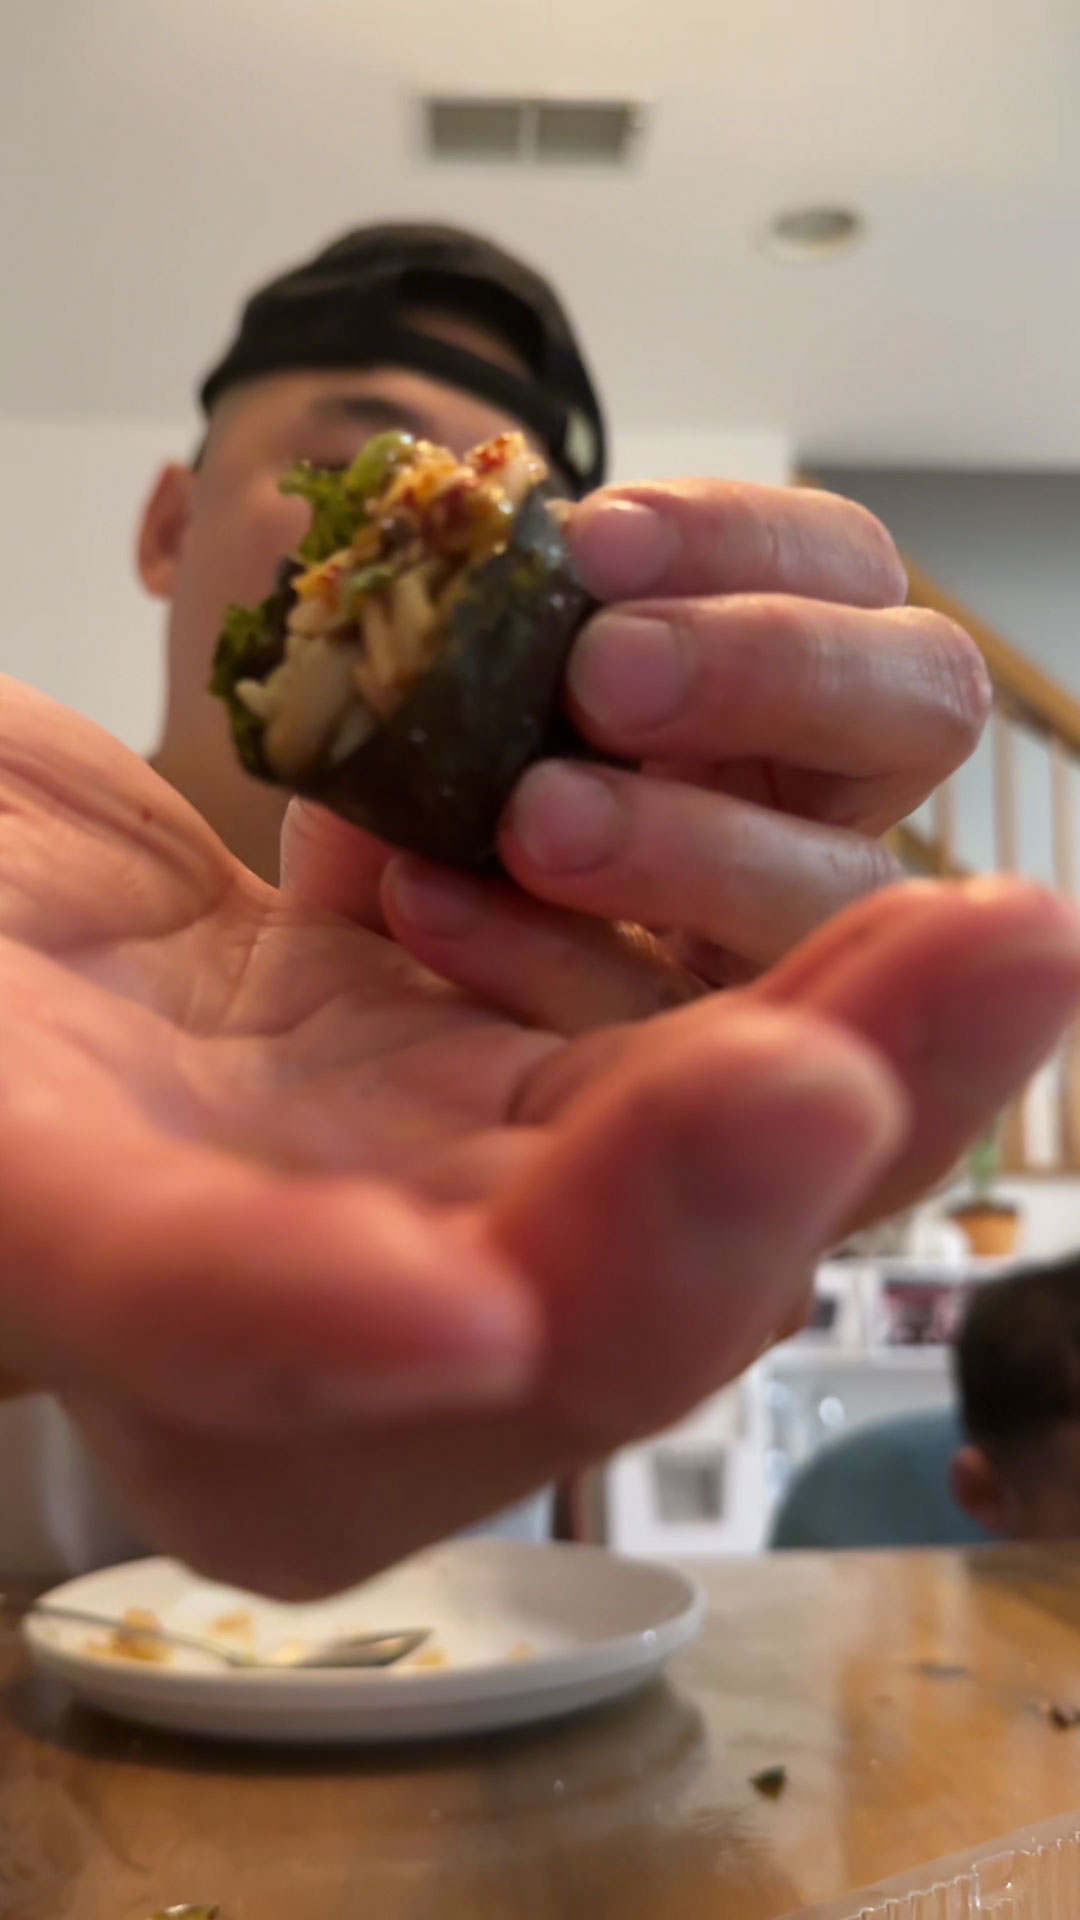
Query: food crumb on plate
x=289 y=1653
x=235 y=1626
x=134 y=1639
x=430 y=1657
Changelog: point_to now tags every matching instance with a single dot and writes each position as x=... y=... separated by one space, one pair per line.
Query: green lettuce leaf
x=252 y=641
x=339 y=501
x=246 y=646
x=251 y=645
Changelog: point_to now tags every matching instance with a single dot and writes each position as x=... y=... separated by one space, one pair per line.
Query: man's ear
x=977 y=1487
x=165 y=522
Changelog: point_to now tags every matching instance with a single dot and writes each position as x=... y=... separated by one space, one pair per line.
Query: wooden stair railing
x=1028 y=704
x=1033 y=696
x=1026 y=701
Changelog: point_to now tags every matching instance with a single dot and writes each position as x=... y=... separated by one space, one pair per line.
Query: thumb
x=331 y=866
x=672 y=1226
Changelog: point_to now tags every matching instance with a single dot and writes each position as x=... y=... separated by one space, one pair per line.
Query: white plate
x=528 y=1633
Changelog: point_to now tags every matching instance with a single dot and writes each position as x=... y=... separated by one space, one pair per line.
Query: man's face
x=217 y=535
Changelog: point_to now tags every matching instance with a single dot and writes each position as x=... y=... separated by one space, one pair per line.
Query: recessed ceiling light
x=806 y=236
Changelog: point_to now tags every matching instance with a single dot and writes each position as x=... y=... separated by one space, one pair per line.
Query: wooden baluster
x=943 y=811
x=1006 y=827
x=1070 y=1100
x=1007 y=853
x=1064 y=825
x=1061 y=780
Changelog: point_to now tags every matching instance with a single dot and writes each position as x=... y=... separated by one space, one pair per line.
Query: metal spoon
x=347 y=1650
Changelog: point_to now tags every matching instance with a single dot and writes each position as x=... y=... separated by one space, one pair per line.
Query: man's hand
x=329 y=1259
x=755 y=659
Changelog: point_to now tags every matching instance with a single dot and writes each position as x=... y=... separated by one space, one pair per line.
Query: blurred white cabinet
x=710 y=1485
x=699 y=1489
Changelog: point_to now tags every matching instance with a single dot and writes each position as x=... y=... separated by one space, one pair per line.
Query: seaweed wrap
x=408 y=666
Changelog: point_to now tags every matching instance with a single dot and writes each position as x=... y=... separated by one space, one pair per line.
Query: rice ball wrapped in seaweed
x=407 y=669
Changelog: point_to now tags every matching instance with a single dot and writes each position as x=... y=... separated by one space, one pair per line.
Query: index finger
x=724 y=536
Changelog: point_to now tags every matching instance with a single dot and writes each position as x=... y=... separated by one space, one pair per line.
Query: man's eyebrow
x=371 y=410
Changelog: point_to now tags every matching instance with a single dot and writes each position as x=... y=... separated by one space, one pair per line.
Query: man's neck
x=243 y=812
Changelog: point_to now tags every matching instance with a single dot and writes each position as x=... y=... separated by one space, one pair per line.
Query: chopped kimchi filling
x=367 y=622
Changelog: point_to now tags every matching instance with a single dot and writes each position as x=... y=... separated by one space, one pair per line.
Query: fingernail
x=628 y=671
x=433 y=900
x=566 y=821
x=987 y=1036
x=622 y=548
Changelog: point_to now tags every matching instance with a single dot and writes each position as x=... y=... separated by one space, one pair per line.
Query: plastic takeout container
x=1033 y=1875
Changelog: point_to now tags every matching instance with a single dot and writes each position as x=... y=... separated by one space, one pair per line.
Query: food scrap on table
x=187 y=1913
x=770 y=1782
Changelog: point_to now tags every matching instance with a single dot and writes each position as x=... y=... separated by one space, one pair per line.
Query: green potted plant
x=992 y=1225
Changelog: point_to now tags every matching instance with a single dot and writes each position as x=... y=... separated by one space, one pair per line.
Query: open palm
x=328 y=1258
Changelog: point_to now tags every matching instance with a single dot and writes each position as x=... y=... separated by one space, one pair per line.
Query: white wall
x=1009 y=546
x=1050 y=1212
x=72 y=619
x=764 y=455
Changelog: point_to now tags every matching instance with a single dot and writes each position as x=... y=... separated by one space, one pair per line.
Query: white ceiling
x=158 y=156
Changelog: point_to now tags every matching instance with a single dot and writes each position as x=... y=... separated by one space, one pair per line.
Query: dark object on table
x=770 y=1782
x=187 y=1913
x=408 y=669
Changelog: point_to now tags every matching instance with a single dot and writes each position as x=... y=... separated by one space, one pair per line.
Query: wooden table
x=906 y=1697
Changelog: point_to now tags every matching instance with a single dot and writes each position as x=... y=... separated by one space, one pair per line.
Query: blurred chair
x=885 y=1485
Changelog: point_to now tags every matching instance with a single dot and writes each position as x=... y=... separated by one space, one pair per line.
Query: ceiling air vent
x=532 y=132
x=585 y=129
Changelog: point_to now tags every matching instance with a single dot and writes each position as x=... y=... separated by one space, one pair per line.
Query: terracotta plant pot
x=992 y=1227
